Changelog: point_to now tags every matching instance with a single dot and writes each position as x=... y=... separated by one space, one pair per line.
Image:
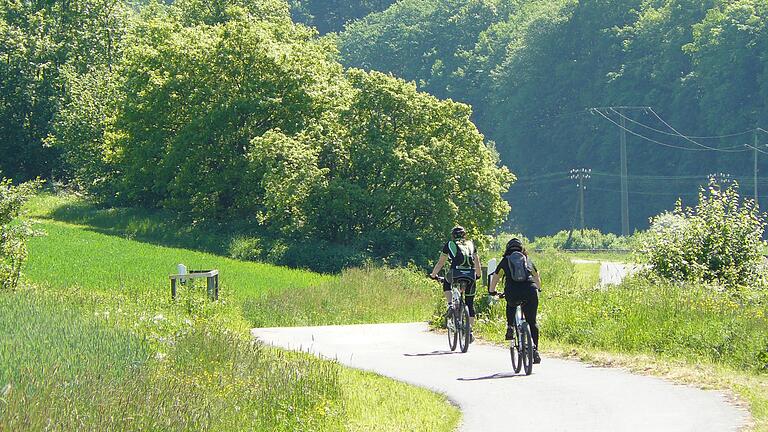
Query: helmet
x=458 y=232
x=514 y=244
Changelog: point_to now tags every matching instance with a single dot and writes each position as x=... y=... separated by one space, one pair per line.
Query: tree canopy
x=532 y=69
x=230 y=113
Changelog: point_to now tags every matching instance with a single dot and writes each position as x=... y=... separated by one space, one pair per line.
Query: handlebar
x=436 y=278
x=496 y=294
x=442 y=279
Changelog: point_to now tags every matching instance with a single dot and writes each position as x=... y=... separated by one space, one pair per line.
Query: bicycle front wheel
x=515 y=351
x=526 y=342
x=464 y=329
x=451 y=325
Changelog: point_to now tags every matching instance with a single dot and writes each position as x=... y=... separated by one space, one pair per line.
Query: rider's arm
x=478 y=270
x=494 y=281
x=536 y=278
x=439 y=265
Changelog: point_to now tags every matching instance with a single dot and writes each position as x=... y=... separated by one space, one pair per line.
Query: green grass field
x=96 y=343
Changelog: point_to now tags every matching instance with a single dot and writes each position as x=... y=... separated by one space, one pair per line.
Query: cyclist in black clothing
x=522 y=283
x=464 y=261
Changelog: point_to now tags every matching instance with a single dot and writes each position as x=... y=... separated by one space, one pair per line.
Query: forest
x=187 y=107
x=687 y=78
x=230 y=115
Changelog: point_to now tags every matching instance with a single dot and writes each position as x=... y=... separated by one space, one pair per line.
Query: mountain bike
x=521 y=344
x=457 y=316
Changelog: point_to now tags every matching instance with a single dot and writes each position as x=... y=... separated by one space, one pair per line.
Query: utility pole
x=624 y=186
x=754 y=149
x=581 y=175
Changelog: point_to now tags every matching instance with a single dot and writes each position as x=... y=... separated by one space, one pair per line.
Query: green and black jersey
x=461 y=253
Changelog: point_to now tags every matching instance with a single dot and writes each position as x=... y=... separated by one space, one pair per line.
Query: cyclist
x=522 y=284
x=464 y=262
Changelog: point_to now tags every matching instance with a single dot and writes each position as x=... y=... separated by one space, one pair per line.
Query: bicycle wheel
x=527 y=352
x=464 y=328
x=451 y=325
x=515 y=351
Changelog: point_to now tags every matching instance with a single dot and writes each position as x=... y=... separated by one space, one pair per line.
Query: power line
x=755 y=149
x=641 y=124
x=687 y=138
x=624 y=128
x=647 y=193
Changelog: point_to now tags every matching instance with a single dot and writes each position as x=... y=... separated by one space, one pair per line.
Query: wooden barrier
x=212 y=277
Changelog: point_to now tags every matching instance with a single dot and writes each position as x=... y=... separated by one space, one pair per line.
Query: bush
x=13 y=232
x=588 y=239
x=718 y=241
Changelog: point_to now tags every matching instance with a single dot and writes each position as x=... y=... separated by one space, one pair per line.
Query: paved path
x=561 y=395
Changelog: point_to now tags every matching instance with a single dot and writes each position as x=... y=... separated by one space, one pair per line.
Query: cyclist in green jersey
x=464 y=262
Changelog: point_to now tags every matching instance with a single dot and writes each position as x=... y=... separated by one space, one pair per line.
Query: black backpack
x=518 y=265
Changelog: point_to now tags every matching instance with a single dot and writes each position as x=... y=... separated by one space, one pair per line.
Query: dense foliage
x=531 y=69
x=14 y=233
x=589 y=239
x=332 y=15
x=41 y=45
x=229 y=113
x=718 y=241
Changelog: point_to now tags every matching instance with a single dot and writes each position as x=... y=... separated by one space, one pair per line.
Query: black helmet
x=514 y=244
x=458 y=232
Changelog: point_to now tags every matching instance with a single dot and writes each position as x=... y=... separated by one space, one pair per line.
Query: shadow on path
x=494 y=376
x=433 y=353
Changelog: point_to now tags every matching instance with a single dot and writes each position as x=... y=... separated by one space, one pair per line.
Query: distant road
x=611 y=273
x=561 y=395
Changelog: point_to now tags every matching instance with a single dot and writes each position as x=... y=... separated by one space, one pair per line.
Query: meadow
x=96 y=343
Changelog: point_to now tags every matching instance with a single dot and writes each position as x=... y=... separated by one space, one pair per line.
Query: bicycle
x=457 y=317
x=521 y=344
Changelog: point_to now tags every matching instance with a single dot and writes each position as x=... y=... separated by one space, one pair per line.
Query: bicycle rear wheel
x=515 y=351
x=527 y=348
x=464 y=329
x=452 y=326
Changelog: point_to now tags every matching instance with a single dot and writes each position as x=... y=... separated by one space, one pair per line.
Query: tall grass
x=364 y=295
x=77 y=363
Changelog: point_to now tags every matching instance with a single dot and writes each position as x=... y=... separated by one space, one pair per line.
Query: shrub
x=718 y=241
x=13 y=232
x=587 y=239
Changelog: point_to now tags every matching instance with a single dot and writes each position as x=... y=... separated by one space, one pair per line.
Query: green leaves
x=719 y=241
x=232 y=114
x=14 y=233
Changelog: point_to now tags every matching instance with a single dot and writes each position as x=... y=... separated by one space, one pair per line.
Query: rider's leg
x=447 y=292
x=470 y=301
x=511 y=310
x=530 y=308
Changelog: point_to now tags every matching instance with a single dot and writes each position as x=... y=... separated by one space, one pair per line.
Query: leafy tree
x=196 y=97
x=38 y=39
x=730 y=56
x=332 y=15
x=409 y=168
x=191 y=12
x=418 y=39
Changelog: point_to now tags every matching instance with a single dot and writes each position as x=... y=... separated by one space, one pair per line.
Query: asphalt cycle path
x=560 y=395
